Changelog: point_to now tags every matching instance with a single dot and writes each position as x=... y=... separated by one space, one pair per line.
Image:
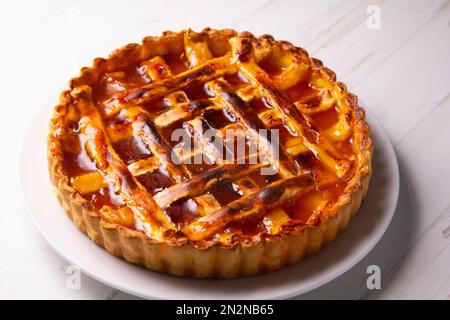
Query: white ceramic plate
x=364 y=231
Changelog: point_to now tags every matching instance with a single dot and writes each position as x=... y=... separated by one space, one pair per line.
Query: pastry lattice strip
x=146 y=130
x=213 y=69
x=266 y=198
x=154 y=220
x=203 y=182
x=197 y=52
x=242 y=51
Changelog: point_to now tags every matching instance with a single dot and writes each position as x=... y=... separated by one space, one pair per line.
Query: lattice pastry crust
x=111 y=160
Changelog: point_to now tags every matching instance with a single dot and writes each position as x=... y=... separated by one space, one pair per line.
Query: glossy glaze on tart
x=110 y=154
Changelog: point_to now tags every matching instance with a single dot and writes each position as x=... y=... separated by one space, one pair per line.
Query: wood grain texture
x=401 y=71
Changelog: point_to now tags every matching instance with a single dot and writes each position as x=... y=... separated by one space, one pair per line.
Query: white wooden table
x=401 y=70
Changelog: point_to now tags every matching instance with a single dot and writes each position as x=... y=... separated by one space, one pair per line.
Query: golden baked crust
x=137 y=203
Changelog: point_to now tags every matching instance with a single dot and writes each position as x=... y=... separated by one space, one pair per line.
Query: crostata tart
x=197 y=207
